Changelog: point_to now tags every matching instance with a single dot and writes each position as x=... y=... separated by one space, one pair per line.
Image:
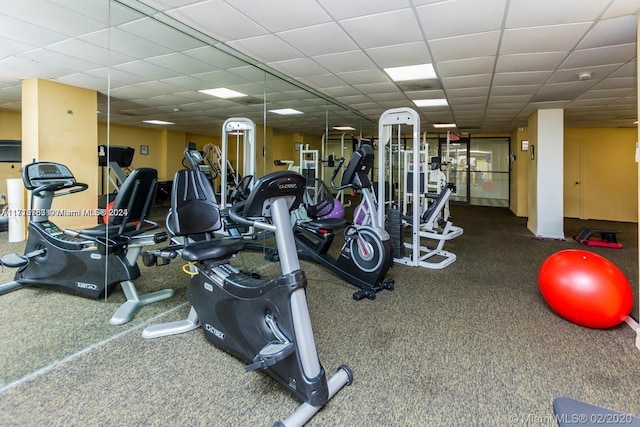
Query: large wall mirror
x=143 y=66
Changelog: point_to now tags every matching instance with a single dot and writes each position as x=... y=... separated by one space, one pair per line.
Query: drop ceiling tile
x=611 y=32
x=219 y=20
x=571 y=75
x=524 y=78
x=267 y=48
x=364 y=77
x=615 y=83
x=9 y=47
x=214 y=57
x=319 y=39
x=443 y=19
x=601 y=56
x=384 y=29
x=606 y=93
x=27 y=33
x=137 y=47
x=159 y=33
x=542 y=39
x=482 y=80
x=377 y=88
x=467 y=46
x=514 y=90
x=323 y=81
x=345 y=61
x=468 y=92
x=287 y=15
x=528 y=62
x=90 y=52
x=400 y=55
x=183 y=64
x=552 y=12
x=300 y=67
x=465 y=67
x=340 y=9
x=38 y=13
x=621 y=7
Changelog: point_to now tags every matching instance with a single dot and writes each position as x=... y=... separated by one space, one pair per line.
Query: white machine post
x=247 y=129
x=389 y=119
x=425 y=225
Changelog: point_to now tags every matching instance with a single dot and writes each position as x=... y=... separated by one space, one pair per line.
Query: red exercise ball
x=585 y=288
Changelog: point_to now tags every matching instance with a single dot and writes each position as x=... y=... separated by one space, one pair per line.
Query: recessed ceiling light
x=158 y=122
x=411 y=72
x=440 y=102
x=343 y=128
x=223 y=92
x=444 y=125
x=285 y=111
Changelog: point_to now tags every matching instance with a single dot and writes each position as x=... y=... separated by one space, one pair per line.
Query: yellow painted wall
x=59 y=124
x=518 y=191
x=532 y=181
x=607 y=171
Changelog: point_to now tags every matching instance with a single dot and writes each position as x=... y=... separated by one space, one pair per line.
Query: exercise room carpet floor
x=473 y=344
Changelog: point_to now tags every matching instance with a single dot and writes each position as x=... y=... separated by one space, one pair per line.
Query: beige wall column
x=60 y=124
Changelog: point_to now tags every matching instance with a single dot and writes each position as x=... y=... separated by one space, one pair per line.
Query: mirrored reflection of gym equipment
x=237 y=126
x=116 y=159
x=424 y=224
x=329 y=158
x=10 y=152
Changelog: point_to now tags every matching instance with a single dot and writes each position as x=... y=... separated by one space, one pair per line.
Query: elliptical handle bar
x=75 y=188
x=335 y=173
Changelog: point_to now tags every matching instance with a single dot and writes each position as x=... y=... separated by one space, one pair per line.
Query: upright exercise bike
x=264 y=322
x=91 y=262
x=366 y=255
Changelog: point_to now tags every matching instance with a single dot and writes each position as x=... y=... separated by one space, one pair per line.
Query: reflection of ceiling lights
x=343 y=128
x=440 y=102
x=444 y=125
x=222 y=92
x=158 y=122
x=285 y=111
x=411 y=72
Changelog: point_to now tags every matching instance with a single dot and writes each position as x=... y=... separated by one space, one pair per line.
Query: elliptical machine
x=76 y=261
x=264 y=322
x=366 y=255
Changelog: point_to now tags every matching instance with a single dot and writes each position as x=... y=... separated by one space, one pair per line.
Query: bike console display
x=36 y=175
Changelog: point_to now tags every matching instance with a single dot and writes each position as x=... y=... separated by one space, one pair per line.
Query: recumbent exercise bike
x=264 y=322
x=76 y=261
x=366 y=255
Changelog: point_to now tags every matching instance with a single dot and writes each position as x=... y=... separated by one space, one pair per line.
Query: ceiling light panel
x=222 y=92
x=411 y=72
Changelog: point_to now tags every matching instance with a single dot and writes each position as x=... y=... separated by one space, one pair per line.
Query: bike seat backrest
x=135 y=197
x=193 y=204
x=271 y=186
x=356 y=175
x=318 y=200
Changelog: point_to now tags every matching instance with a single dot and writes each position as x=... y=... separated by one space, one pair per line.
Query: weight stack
x=394 y=228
